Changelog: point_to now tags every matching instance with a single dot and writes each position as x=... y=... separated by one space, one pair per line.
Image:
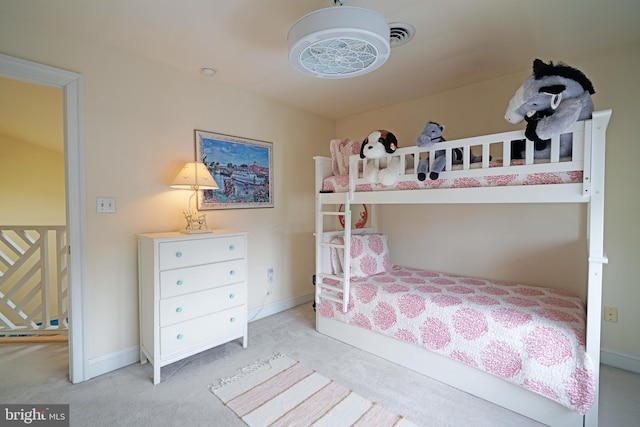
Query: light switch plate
x=106 y=205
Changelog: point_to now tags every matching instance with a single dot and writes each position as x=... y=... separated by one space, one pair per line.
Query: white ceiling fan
x=343 y=41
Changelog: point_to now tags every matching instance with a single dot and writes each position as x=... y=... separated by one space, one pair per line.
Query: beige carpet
x=127 y=397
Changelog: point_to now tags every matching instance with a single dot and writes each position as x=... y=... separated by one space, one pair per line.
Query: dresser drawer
x=194 y=279
x=185 y=253
x=187 y=307
x=180 y=337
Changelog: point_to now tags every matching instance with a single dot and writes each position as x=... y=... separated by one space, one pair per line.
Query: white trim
x=620 y=360
x=110 y=362
x=263 y=311
x=71 y=85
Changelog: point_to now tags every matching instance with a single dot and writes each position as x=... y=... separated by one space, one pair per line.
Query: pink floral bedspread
x=533 y=337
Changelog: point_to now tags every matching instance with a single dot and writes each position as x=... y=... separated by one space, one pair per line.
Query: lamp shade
x=195 y=176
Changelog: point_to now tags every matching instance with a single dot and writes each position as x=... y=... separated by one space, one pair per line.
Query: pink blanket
x=533 y=337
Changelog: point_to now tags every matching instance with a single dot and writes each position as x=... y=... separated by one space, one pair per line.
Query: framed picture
x=359 y=215
x=242 y=168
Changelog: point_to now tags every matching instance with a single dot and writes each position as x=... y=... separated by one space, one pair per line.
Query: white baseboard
x=278 y=306
x=128 y=356
x=620 y=360
x=110 y=362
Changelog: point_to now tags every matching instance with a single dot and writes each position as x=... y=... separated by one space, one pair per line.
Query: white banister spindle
x=506 y=153
x=530 y=148
x=555 y=149
x=486 y=155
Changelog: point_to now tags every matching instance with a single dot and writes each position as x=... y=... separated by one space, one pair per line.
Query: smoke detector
x=339 y=42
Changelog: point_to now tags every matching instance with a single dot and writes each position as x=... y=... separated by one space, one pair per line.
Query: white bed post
x=597 y=257
x=346 y=260
x=318 y=235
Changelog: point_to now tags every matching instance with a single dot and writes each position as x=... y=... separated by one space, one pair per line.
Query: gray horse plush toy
x=432 y=134
x=551 y=100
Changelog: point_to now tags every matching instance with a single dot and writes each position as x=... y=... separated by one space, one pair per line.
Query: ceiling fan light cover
x=339 y=42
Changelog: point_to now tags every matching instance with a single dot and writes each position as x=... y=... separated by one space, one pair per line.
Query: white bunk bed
x=491 y=182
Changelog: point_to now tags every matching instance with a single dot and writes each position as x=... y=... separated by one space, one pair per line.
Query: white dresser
x=193 y=294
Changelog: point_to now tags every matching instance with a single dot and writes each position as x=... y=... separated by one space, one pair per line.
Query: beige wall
x=140 y=118
x=32 y=190
x=139 y=121
x=531 y=243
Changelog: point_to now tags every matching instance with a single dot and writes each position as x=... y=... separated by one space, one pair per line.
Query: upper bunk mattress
x=533 y=337
x=340 y=183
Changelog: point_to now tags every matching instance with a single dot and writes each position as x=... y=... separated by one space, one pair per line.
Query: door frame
x=72 y=88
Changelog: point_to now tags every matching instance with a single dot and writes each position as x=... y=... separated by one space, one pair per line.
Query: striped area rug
x=282 y=392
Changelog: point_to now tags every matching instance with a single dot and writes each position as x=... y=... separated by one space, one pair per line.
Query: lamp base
x=203 y=231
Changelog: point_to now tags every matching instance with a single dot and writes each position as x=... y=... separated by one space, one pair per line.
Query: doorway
x=71 y=85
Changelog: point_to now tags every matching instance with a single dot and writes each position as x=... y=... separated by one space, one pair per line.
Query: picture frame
x=242 y=168
x=359 y=216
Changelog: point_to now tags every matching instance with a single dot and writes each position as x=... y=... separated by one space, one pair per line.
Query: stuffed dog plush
x=377 y=145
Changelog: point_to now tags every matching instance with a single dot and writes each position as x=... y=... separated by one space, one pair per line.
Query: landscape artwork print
x=241 y=167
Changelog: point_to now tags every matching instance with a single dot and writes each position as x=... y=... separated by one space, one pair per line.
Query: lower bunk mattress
x=533 y=337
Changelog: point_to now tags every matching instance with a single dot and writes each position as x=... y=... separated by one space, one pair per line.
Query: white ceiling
x=457 y=42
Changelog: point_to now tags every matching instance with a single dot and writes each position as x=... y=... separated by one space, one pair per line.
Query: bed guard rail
x=493 y=155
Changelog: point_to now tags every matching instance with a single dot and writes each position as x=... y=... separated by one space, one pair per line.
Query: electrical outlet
x=106 y=205
x=611 y=314
x=269 y=279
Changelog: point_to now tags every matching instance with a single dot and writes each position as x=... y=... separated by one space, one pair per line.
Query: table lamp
x=194 y=176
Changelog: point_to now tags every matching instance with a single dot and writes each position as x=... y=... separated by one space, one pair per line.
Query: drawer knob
x=179 y=310
x=232 y=296
x=178 y=254
x=232 y=272
x=232 y=320
x=232 y=248
x=179 y=336
x=179 y=282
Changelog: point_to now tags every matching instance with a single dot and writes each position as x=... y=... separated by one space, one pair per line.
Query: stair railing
x=34 y=296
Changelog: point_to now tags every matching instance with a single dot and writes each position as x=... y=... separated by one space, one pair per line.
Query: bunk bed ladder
x=336 y=287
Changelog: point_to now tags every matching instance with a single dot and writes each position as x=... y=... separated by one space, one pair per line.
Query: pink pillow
x=369 y=255
x=341 y=149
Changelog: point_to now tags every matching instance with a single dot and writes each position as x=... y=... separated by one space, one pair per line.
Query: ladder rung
x=332 y=213
x=331 y=298
x=329 y=276
x=330 y=287
x=331 y=245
